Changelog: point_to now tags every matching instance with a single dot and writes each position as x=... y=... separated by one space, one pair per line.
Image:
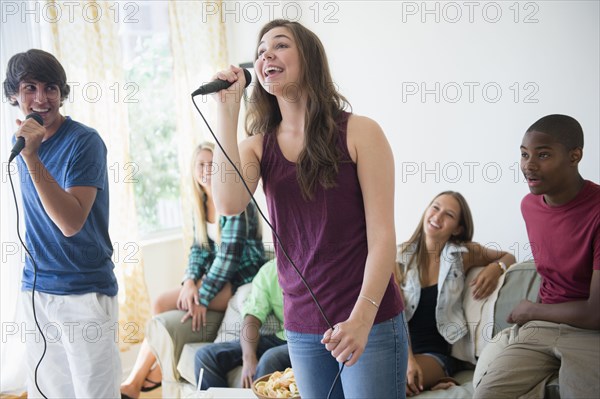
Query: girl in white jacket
x=431 y=272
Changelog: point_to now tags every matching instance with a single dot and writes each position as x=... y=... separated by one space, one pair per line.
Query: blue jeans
x=275 y=359
x=379 y=373
x=218 y=359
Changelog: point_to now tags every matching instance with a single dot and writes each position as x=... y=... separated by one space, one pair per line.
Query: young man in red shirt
x=559 y=335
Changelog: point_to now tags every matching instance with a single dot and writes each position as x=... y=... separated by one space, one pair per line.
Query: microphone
x=20 y=144
x=218 y=85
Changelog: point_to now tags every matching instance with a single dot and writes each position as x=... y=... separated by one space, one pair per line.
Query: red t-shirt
x=565 y=243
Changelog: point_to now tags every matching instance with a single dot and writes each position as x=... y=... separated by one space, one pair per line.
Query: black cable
x=32 y=289
x=335 y=380
x=265 y=219
x=310 y=291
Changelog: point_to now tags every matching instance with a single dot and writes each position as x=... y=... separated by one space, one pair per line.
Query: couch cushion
x=186 y=366
x=186 y=361
x=521 y=282
x=232 y=321
x=462 y=391
x=486 y=317
x=479 y=314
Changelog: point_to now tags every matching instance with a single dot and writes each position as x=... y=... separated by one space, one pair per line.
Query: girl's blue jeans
x=379 y=373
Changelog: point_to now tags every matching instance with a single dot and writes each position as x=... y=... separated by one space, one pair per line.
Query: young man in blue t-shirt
x=64 y=184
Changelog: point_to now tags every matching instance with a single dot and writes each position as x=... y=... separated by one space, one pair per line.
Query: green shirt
x=266 y=296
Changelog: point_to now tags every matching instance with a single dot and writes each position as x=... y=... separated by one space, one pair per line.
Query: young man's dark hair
x=34 y=64
x=565 y=129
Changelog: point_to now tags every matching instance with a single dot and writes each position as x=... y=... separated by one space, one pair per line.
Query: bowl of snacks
x=280 y=384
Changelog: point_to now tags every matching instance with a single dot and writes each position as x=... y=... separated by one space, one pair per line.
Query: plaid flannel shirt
x=237 y=259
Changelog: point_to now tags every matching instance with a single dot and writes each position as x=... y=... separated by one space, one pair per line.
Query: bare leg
x=432 y=370
x=155 y=375
x=220 y=301
x=145 y=360
x=143 y=368
x=166 y=301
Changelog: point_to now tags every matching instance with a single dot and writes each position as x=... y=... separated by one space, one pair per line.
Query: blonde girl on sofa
x=431 y=270
x=227 y=252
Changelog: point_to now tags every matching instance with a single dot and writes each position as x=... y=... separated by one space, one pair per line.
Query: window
x=149 y=71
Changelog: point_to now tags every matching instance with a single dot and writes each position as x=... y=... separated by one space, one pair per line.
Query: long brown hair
x=319 y=159
x=420 y=255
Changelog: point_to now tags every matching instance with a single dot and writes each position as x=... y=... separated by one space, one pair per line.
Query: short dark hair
x=565 y=129
x=34 y=64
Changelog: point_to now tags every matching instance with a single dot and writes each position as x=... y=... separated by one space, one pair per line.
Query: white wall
x=165 y=261
x=543 y=56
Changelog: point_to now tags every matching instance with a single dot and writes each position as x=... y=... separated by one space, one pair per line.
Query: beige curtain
x=199 y=47
x=89 y=49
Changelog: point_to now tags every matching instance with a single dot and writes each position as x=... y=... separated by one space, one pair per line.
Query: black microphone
x=20 y=144
x=218 y=85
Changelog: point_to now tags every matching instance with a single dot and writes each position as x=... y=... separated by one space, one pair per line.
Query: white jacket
x=449 y=314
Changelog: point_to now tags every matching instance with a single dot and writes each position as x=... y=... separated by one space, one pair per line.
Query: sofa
x=485 y=320
x=174 y=344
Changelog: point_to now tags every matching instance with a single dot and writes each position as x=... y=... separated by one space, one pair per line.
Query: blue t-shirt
x=74 y=156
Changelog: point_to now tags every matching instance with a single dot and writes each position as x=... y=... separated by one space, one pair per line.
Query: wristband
x=502 y=266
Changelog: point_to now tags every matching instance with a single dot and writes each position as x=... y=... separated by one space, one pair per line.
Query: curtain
x=88 y=47
x=193 y=32
x=12 y=348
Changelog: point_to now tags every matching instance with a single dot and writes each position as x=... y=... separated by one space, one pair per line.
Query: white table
x=222 y=393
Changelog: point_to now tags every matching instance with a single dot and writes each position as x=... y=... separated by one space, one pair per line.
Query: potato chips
x=279 y=385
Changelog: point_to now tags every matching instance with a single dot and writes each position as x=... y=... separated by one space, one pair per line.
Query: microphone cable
x=35 y=270
x=277 y=238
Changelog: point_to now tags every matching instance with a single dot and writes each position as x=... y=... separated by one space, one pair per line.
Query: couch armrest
x=167 y=336
x=520 y=282
x=488 y=316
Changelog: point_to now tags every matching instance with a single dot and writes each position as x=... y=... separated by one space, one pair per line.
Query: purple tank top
x=326 y=238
